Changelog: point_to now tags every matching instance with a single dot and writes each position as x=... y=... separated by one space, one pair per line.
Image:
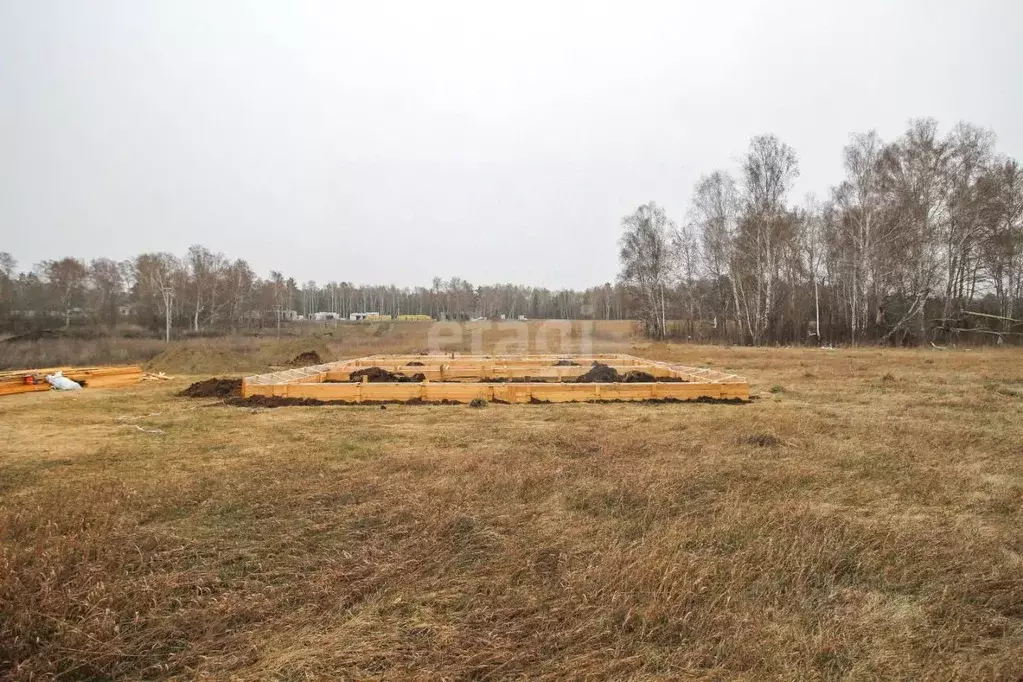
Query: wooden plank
x=349 y=392
x=16 y=387
x=113 y=369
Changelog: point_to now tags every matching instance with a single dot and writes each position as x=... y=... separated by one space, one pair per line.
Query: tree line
x=921 y=242
x=207 y=292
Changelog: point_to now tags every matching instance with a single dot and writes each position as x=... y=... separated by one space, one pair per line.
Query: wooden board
x=15 y=387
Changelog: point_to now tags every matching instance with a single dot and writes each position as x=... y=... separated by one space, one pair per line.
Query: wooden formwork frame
x=461 y=378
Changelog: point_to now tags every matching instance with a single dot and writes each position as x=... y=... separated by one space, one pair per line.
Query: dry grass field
x=860 y=519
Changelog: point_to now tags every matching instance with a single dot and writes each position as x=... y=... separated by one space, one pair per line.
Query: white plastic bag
x=61 y=382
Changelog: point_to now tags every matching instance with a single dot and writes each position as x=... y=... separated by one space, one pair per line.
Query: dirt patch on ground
x=214 y=388
x=565 y=363
x=379 y=374
x=415 y=363
x=309 y=357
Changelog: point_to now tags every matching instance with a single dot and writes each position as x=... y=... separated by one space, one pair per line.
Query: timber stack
x=32 y=380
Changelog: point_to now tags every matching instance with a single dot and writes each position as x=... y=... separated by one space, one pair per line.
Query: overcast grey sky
x=388 y=142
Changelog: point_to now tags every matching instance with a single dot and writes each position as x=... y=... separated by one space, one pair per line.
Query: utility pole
x=168 y=301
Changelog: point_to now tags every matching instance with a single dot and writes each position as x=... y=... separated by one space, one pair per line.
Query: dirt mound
x=378 y=374
x=636 y=376
x=214 y=388
x=309 y=357
x=565 y=363
x=198 y=359
x=415 y=363
x=600 y=374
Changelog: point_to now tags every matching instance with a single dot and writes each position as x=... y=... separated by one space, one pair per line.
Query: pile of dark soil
x=379 y=374
x=635 y=376
x=310 y=357
x=214 y=388
x=565 y=363
x=600 y=374
x=415 y=363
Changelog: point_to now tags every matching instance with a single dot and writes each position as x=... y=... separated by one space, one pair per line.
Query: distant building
x=326 y=316
x=368 y=317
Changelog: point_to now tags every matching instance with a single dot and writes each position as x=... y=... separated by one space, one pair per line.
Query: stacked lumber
x=13 y=382
x=12 y=386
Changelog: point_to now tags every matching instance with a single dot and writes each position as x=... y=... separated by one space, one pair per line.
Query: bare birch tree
x=68 y=277
x=714 y=214
x=646 y=259
x=768 y=170
x=159 y=276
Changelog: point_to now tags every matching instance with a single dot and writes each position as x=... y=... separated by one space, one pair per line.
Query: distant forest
x=922 y=242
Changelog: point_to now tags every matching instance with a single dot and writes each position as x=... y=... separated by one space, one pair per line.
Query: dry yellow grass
x=861 y=519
